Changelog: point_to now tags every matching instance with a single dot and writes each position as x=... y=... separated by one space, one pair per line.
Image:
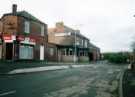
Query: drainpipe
x=14 y=12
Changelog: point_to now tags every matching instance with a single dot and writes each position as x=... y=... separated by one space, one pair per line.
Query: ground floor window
x=81 y=53
x=26 y=52
x=64 y=52
x=51 y=50
x=70 y=52
x=85 y=53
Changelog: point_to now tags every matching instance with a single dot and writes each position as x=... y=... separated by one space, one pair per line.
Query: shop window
x=27 y=27
x=26 y=52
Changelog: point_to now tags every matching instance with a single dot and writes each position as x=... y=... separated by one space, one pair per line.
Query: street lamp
x=75 y=49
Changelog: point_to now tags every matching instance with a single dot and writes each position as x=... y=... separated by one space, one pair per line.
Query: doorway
x=91 y=57
x=9 y=51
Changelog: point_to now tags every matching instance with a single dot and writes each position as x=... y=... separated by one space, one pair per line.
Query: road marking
x=8 y=93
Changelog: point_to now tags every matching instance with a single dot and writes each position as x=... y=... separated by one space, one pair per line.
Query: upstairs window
x=86 y=43
x=82 y=42
x=27 y=27
x=42 y=30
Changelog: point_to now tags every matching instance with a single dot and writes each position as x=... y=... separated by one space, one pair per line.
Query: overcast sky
x=109 y=24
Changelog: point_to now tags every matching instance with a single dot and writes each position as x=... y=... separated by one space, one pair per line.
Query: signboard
x=32 y=40
x=21 y=38
x=7 y=38
x=63 y=34
x=28 y=40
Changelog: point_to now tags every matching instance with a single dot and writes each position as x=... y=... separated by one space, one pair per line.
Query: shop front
x=8 y=47
x=26 y=48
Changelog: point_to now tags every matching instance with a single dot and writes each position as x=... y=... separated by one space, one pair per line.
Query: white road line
x=7 y=93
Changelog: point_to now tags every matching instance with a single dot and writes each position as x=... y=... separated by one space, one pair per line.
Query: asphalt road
x=98 y=80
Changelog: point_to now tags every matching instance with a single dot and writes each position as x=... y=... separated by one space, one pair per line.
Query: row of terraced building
x=24 y=37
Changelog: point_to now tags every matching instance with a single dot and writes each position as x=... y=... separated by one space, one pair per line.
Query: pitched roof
x=25 y=14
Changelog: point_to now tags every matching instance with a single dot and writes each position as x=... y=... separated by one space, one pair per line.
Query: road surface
x=98 y=80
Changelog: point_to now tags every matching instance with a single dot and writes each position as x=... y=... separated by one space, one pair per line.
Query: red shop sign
x=32 y=40
x=21 y=38
x=7 y=37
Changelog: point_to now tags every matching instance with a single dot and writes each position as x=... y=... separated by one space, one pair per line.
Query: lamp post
x=75 y=49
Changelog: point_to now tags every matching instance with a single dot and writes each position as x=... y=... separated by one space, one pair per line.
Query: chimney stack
x=14 y=9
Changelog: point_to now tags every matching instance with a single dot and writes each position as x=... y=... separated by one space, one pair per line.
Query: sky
x=109 y=24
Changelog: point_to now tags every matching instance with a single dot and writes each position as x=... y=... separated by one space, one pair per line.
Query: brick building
x=94 y=52
x=24 y=36
x=71 y=44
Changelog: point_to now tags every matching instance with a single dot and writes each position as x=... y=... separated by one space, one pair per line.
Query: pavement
x=26 y=67
x=97 y=80
x=129 y=83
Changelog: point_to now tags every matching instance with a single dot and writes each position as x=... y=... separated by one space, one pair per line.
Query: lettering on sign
x=8 y=37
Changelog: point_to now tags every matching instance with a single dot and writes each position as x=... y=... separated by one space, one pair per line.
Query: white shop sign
x=27 y=41
x=9 y=38
x=63 y=34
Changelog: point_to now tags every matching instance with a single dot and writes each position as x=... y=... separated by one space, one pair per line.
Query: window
x=51 y=51
x=81 y=53
x=27 y=27
x=70 y=52
x=26 y=52
x=86 y=43
x=63 y=51
x=42 y=30
x=85 y=53
x=82 y=42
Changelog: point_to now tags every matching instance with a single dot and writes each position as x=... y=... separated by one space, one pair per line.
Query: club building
x=72 y=45
x=22 y=36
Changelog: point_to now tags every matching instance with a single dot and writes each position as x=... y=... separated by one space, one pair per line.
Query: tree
x=133 y=49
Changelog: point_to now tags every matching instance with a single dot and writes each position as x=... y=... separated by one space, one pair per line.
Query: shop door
x=42 y=53
x=9 y=51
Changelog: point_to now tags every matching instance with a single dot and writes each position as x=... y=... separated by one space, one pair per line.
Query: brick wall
x=9 y=24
